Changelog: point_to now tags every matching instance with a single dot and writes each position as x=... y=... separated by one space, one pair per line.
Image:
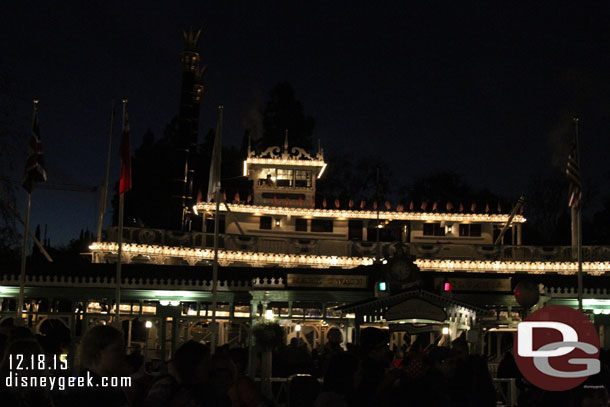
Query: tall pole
x=215 y=271
x=104 y=196
x=23 y=258
x=117 y=294
x=378 y=224
x=579 y=259
x=120 y=243
x=578 y=208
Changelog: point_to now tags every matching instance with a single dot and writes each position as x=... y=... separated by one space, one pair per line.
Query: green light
x=382 y=286
x=594 y=302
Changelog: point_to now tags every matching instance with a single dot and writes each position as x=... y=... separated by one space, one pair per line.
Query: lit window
x=302 y=179
x=267 y=177
x=284 y=178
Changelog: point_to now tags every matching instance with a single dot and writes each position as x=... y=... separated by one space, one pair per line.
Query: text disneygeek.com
x=15 y=380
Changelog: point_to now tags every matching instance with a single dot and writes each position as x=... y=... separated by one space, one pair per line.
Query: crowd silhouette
x=336 y=375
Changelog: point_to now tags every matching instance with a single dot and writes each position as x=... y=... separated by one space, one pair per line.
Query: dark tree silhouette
x=546 y=210
x=285 y=112
x=448 y=187
x=148 y=203
x=13 y=130
x=354 y=178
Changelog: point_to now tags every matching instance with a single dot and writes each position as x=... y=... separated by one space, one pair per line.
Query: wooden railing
x=337 y=247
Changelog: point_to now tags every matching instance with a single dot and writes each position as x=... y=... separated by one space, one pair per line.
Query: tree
x=148 y=203
x=285 y=112
x=12 y=124
x=546 y=210
x=354 y=178
x=448 y=187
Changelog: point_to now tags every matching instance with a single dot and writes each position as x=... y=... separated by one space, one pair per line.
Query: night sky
x=485 y=90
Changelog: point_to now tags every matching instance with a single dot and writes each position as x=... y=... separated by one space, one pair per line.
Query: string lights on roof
x=594 y=268
x=227 y=257
x=360 y=214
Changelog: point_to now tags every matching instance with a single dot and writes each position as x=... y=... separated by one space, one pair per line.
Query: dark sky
x=486 y=89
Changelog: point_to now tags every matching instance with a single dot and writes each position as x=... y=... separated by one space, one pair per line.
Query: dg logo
x=557 y=348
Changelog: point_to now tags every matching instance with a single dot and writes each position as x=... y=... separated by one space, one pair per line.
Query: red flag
x=337 y=203
x=362 y=204
x=125 y=153
x=34 y=167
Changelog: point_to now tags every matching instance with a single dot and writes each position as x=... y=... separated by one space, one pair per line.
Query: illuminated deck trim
x=359 y=214
x=594 y=268
x=226 y=257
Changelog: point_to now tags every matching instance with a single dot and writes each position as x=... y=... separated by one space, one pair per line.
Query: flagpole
x=578 y=208
x=120 y=243
x=215 y=271
x=378 y=259
x=29 y=179
x=18 y=320
x=104 y=196
x=118 y=263
x=215 y=186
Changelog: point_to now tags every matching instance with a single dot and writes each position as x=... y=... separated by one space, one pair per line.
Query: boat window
x=300 y=225
x=322 y=225
x=267 y=176
x=302 y=179
x=284 y=178
x=433 y=229
x=265 y=222
x=470 y=229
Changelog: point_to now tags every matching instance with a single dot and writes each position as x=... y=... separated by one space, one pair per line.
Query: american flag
x=34 y=166
x=573 y=174
x=125 y=153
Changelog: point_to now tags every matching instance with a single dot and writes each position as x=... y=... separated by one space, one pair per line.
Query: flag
x=34 y=165
x=573 y=174
x=214 y=181
x=125 y=153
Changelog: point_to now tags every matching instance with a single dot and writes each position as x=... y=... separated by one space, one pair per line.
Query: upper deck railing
x=325 y=247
